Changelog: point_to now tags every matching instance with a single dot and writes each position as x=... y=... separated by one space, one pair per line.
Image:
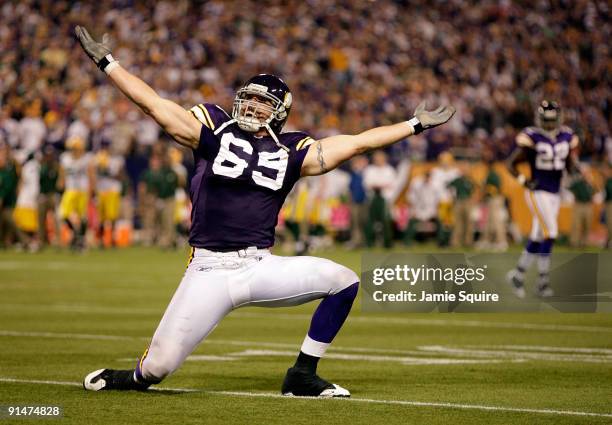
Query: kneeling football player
x=245 y=168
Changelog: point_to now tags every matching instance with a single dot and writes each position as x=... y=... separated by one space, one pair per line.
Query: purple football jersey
x=240 y=182
x=547 y=155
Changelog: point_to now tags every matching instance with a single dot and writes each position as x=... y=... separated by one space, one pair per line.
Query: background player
x=76 y=178
x=245 y=168
x=109 y=180
x=548 y=150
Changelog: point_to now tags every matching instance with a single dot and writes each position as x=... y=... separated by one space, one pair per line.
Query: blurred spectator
x=423 y=200
x=441 y=175
x=358 y=201
x=32 y=129
x=9 y=180
x=380 y=180
x=608 y=200
x=158 y=191
x=492 y=60
x=582 y=214
x=463 y=224
x=181 y=209
x=495 y=229
x=48 y=197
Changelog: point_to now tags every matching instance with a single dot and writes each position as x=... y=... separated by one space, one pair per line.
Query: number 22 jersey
x=547 y=154
x=240 y=182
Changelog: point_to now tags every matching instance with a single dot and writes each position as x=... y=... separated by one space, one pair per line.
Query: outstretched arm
x=175 y=120
x=328 y=153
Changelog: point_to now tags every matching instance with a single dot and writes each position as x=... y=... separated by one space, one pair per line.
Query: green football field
x=64 y=315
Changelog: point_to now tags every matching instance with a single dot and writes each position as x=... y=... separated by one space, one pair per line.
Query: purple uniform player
x=245 y=167
x=241 y=182
x=547 y=148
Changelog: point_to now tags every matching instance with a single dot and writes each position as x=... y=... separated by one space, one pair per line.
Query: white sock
x=524 y=263
x=314 y=348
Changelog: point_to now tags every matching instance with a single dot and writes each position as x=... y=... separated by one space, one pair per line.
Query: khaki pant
x=581 y=223
x=148 y=213
x=47 y=203
x=495 y=227
x=8 y=230
x=165 y=210
x=359 y=218
x=463 y=230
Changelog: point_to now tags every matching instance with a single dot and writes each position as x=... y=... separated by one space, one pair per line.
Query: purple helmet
x=549 y=114
x=264 y=101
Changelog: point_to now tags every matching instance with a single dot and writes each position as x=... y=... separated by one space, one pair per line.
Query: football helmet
x=548 y=116
x=263 y=102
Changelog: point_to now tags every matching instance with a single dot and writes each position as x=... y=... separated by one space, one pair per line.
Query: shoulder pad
x=524 y=139
x=209 y=114
x=200 y=112
x=298 y=139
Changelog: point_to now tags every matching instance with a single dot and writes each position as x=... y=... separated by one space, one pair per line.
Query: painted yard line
x=460 y=406
x=57 y=265
x=516 y=354
x=195 y=357
x=408 y=361
x=359 y=357
x=422 y=351
x=207 y=341
x=443 y=322
x=76 y=308
x=68 y=335
x=80 y=384
x=549 y=349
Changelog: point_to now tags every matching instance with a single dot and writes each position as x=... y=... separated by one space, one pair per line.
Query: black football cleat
x=109 y=379
x=302 y=383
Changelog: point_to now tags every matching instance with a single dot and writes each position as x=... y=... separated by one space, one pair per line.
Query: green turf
x=123 y=293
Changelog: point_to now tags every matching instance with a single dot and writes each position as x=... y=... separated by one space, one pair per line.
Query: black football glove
x=98 y=52
x=424 y=120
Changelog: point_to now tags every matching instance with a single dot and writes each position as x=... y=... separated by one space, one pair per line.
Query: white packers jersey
x=75 y=171
x=29 y=187
x=108 y=172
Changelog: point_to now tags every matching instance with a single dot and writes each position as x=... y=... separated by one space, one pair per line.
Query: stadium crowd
x=351 y=65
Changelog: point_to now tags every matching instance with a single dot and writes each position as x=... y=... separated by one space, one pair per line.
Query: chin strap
x=279 y=144
x=266 y=126
x=225 y=124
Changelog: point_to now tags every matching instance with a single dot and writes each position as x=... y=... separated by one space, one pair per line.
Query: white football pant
x=216 y=283
x=544 y=208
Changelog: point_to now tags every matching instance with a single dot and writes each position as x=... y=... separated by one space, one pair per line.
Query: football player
x=109 y=169
x=76 y=179
x=245 y=167
x=547 y=148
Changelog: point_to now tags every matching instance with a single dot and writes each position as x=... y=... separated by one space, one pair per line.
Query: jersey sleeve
x=298 y=143
x=574 y=141
x=524 y=139
x=212 y=117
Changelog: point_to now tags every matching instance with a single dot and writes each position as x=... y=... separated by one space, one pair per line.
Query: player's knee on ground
x=162 y=359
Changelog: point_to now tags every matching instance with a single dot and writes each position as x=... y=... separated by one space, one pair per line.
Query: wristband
x=105 y=61
x=416 y=125
x=110 y=67
x=521 y=179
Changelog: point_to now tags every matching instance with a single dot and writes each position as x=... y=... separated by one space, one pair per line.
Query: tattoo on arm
x=320 y=158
